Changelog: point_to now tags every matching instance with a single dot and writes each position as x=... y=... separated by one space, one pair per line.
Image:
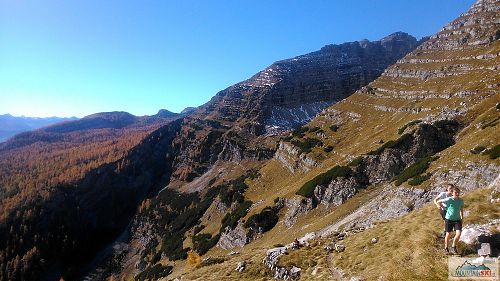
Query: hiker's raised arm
x=436 y=202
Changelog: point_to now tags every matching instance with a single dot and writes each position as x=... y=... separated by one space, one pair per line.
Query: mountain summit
x=291 y=92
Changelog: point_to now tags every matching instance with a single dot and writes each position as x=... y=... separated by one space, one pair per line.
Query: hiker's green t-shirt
x=454 y=207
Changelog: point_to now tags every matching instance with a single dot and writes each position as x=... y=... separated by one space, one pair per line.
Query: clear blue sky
x=74 y=58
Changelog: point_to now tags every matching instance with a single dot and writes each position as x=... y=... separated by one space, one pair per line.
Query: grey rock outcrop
x=296 y=207
x=337 y=192
x=232 y=238
x=280 y=272
x=290 y=157
x=383 y=165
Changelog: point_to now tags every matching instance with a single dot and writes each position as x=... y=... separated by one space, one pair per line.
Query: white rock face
x=232 y=238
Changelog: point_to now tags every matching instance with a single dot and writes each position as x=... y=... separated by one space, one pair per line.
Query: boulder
x=295 y=273
x=339 y=248
x=240 y=267
x=484 y=249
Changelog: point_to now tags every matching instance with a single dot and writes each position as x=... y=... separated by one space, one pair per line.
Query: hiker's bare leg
x=446 y=239
x=456 y=238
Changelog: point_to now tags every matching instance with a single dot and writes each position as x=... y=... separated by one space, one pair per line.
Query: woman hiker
x=454 y=216
x=442 y=207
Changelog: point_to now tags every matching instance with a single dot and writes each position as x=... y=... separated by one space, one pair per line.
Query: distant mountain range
x=12 y=125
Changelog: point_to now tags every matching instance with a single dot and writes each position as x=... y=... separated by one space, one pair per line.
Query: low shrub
x=197 y=229
x=211 y=261
x=154 y=273
x=356 y=161
x=173 y=248
x=409 y=124
x=263 y=221
x=300 y=132
x=490 y=123
x=307 y=190
x=231 y=218
x=478 y=149
x=417 y=180
x=414 y=170
x=390 y=144
x=334 y=127
x=204 y=242
x=493 y=152
x=307 y=144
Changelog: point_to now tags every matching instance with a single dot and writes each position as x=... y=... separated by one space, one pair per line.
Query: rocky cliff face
x=291 y=92
x=286 y=94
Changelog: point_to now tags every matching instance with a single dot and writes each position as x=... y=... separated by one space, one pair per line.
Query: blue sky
x=74 y=58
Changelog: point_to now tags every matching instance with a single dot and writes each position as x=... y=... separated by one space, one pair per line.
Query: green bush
x=231 y=218
x=307 y=145
x=490 y=123
x=173 y=248
x=356 y=161
x=263 y=221
x=390 y=144
x=493 y=152
x=409 y=124
x=334 y=127
x=154 y=273
x=300 y=132
x=204 y=242
x=414 y=170
x=478 y=149
x=211 y=261
x=307 y=190
x=315 y=129
x=417 y=180
x=197 y=229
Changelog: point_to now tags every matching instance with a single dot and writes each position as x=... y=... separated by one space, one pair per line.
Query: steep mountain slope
x=431 y=118
x=239 y=120
x=291 y=92
x=42 y=213
x=11 y=125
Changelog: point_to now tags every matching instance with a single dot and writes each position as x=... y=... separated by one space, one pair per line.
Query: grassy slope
x=408 y=249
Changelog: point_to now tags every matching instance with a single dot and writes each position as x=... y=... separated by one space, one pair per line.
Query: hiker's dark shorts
x=450 y=225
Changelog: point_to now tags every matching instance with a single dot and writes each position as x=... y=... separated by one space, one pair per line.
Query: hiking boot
x=446 y=251
x=454 y=250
